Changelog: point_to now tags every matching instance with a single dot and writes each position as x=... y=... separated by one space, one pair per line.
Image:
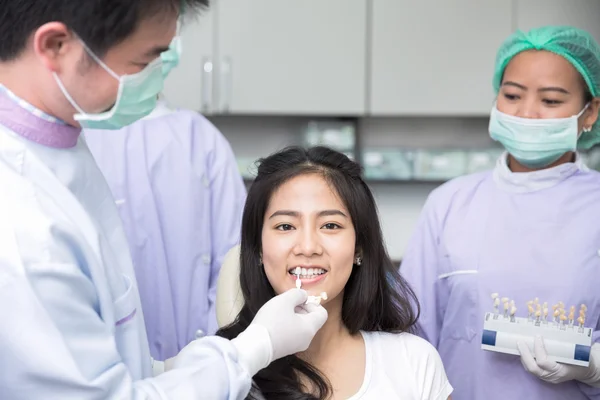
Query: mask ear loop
x=65 y=92
x=585 y=108
x=584 y=129
x=99 y=61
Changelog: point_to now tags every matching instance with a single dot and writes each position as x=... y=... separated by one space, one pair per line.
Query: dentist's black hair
x=101 y=24
x=376 y=297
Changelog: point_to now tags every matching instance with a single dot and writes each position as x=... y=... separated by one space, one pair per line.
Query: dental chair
x=229 y=296
x=229 y=300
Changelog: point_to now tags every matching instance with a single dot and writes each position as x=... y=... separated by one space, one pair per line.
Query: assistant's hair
x=101 y=24
x=376 y=297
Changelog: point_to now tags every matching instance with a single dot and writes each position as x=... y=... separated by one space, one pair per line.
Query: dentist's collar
x=525 y=182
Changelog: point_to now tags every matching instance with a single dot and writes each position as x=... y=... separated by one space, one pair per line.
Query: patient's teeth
x=298 y=271
x=303 y=271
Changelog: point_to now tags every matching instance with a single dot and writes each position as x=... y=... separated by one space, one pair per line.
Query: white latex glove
x=283 y=326
x=553 y=372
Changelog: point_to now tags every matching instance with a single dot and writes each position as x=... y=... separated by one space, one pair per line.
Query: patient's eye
x=284 y=227
x=331 y=225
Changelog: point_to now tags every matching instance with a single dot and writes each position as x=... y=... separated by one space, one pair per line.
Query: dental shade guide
x=565 y=338
x=298 y=281
x=316 y=299
x=311 y=299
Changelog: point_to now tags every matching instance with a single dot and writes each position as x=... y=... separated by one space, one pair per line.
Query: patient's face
x=307 y=226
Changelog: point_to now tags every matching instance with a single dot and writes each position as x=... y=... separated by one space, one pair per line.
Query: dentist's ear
x=592 y=114
x=52 y=43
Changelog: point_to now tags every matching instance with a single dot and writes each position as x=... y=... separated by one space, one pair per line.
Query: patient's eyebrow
x=326 y=213
x=288 y=213
x=296 y=214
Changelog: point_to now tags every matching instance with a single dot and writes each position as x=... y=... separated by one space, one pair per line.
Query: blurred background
x=402 y=86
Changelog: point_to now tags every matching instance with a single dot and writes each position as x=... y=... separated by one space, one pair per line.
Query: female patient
x=310 y=211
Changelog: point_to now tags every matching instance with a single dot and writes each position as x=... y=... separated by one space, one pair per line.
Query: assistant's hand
x=283 y=326
x=553 y=372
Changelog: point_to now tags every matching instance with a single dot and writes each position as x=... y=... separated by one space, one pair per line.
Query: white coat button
x=206 y=259
x=598 y=253
x=199 y=334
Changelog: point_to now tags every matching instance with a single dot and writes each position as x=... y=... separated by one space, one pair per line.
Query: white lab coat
x=72 y=326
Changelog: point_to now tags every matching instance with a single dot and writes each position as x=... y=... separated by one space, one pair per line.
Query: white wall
x=399 y=203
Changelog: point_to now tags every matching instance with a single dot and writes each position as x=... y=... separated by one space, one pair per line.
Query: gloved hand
x=283 y=326
x=553 y=372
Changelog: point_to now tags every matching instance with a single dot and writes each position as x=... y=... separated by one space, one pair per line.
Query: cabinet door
x=584 y=14
x=435 y=57
x=292 y=56
x=190 y=84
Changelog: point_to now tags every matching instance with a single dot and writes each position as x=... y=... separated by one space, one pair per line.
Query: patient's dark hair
x=376 y=297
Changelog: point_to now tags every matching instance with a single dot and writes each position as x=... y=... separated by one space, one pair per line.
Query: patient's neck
x=329 y=338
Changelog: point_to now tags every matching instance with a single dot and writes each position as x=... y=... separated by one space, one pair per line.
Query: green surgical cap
x=575 y=45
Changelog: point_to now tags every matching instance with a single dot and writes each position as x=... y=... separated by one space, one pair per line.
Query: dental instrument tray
x=566 y=339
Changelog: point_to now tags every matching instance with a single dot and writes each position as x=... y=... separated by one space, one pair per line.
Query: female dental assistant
x=529 y=228
x=72 y=325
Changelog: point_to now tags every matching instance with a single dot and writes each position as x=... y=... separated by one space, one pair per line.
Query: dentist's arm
x=54 y=342
x=55 y=346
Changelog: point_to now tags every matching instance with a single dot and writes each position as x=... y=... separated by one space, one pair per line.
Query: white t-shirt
x=402 y=366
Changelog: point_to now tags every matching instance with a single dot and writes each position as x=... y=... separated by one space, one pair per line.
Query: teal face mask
x=170 y=58
x=535 y=143
x=136 y=97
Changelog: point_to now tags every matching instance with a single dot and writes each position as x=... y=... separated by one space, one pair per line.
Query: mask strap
x=65 y=92
x=584 y=110
x=577 y=118
x=99 y=61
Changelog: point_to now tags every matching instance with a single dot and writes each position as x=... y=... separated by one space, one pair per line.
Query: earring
x=587 y=129
x=358 y=260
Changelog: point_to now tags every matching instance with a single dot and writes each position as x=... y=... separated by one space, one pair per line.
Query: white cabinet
x=584 y=14
x=291 y=56
x=435 y=57
x=274 y=57
x=355 y=57
x=190 y=84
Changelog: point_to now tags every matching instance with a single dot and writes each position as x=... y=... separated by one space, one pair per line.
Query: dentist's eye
x=552 y=102
x=511 y=97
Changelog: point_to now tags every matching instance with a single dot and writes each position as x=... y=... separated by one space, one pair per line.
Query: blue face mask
x=136 y=97
x=535 y=143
